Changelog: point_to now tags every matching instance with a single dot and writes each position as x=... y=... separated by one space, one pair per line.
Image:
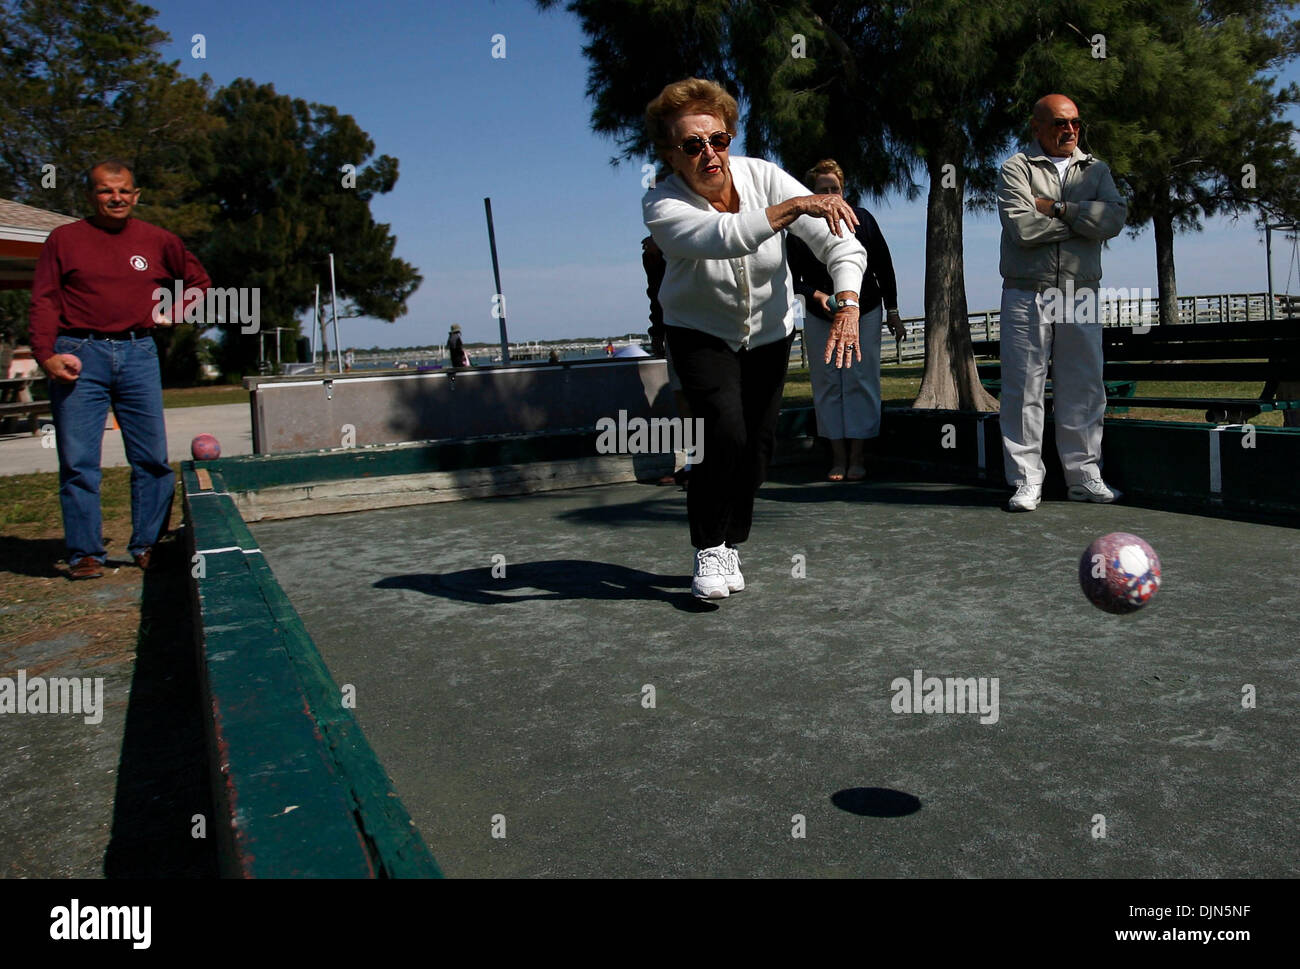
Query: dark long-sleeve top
x=878 y=283
x=98 y=279
x=455 y=347
x=654 y=264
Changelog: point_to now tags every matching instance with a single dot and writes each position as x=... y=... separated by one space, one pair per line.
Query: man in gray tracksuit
x=1057 y=205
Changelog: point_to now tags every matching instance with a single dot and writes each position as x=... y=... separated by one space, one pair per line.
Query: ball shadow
x=876 y=802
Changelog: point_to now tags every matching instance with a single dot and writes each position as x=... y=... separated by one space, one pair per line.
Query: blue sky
x=420 y=79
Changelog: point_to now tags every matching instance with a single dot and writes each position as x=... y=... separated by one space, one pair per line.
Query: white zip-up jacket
x=727 y=273
x=1039 y=251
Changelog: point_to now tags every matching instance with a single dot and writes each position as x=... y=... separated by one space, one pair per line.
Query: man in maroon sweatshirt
x=94 y=303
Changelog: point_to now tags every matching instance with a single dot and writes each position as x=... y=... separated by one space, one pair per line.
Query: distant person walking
x=455 y=348
x=93 y=310
x=846 y=399
x=728 y=305
x=654 y=264
x=1057 y=205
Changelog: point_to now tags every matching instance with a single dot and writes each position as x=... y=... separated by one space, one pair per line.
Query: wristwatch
x=849 y=301
x=1058 y=209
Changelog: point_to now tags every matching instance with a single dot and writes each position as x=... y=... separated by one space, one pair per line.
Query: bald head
x=1055 y=124
x=1048 y=106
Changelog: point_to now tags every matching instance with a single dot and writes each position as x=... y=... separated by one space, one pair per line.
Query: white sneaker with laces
x=735 y=581
x=1094 y=489
x=1026 y=498
x=712 y=567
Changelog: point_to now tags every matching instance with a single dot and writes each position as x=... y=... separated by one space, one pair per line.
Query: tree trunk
x=1167 y=286
x=951 y=381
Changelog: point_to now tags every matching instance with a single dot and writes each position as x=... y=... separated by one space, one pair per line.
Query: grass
x=178 y=396
x=900 y=383
x=205 y=395
x=31 y=501
x=37 y=598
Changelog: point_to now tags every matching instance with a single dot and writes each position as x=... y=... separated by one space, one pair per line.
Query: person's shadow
x=553 y=579
x=31 y=556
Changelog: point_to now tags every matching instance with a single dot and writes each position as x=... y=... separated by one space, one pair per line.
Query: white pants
x=1029 y=342
x=847 y=400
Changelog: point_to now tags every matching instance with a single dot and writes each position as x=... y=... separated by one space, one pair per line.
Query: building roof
x=28 y=219
x=23 y=230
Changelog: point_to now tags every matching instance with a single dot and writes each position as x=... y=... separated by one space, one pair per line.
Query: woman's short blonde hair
x=827 y=166
x=691 y=96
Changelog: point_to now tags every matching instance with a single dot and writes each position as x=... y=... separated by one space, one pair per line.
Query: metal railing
x=1138 y=310
x=1133 y=311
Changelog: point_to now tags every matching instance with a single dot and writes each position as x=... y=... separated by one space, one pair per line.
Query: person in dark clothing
x=847 y=400
x=456 y=349
x=654 y=264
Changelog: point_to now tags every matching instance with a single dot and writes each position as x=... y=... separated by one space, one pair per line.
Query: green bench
x=1265 y=352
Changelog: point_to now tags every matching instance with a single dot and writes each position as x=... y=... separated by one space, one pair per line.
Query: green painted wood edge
x=1152 y=461
x=385 y=823
x=275 y=730
x=254 y=472
x=218 y=523
x=258 y=727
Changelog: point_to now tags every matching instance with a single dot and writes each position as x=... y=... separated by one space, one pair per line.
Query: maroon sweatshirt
x=88 y=278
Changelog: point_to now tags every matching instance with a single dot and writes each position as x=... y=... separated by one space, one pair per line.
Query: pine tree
x=1182 y=109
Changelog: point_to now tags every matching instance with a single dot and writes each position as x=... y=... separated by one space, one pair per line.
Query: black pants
x=738 y=396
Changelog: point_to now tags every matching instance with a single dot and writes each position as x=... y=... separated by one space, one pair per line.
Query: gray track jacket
x=1039 y=251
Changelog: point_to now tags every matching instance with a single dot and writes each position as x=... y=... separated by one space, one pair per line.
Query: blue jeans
x=125 y=375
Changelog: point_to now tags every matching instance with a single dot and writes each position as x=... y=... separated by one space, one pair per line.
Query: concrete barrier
x=310 y=412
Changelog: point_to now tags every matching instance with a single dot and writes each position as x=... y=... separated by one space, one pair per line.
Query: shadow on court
x=162 y=777
x=554 y=579
x=31 y=556
x=879 y=493
x=876 y=802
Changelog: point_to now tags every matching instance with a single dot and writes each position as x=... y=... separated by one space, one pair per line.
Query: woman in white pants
x=847 y=400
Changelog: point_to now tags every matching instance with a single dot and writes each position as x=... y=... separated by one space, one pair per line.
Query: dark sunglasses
x=1075 y=123
x=693 y=145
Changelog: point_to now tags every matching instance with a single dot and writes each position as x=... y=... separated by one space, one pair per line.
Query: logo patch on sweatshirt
x=139 y=263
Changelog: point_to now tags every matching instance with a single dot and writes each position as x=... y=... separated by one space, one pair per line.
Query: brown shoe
x=142 y=559
x=85 y=568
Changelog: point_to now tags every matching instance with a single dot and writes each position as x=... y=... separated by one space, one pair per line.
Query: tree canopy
x=286 y=200
x=1184 y=110
x=256 y=182
x=932 y=94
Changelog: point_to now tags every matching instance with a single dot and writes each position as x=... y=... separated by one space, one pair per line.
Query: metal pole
x=1268 y=251
x=314 y=327
x=334 y=310
x=496 y=276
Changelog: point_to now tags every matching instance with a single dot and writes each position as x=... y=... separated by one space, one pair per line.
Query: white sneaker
x=735 y=581
x=712 y=568
x=1094 y=489
x=1026 y=498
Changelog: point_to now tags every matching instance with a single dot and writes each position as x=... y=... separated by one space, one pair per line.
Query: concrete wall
x=309 y=412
